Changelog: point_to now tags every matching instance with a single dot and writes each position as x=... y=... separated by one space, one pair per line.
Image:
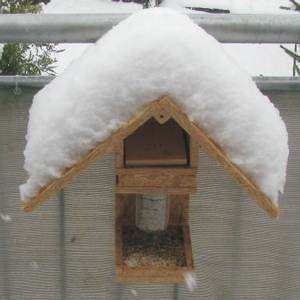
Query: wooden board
x=125 y=215
x=159 y=275
x=214 y=150
x=152 y=274
x=155 y=144
x=125 y=208
x=156 y=180
x=179 y=209
x=170 y=108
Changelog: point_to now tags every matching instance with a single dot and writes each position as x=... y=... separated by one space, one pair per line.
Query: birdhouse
x=156 y=169
x=156 y=164
x=105 y=103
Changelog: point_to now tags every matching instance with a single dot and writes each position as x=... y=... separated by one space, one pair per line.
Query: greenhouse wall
x=65 y=248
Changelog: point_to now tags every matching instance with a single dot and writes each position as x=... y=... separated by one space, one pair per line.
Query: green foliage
x=19 y=6
x=26 y=59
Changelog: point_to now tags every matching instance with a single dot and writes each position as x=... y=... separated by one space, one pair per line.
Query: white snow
x=267 y=60
x=5 y=218
x=190 y=281
x=133 y=292
x=90 y=6
x=152 y=53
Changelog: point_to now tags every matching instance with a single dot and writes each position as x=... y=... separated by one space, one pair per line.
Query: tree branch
x=210 y=10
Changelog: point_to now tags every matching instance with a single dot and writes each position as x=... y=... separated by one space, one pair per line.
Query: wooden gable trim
x=161 y=109
x=98 y=152
x=215 y=151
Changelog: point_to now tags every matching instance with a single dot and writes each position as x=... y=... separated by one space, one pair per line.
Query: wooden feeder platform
x=162 y=256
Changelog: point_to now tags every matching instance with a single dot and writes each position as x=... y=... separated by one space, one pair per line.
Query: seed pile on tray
x=159 y=249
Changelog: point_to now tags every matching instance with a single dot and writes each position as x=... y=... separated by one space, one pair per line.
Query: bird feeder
x=156 y=163
x=156 y=172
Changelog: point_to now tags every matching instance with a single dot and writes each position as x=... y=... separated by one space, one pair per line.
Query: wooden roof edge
x=215 y=151
x=155 y=109
x=97 y=153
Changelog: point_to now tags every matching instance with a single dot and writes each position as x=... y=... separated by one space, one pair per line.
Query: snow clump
x=154 y=52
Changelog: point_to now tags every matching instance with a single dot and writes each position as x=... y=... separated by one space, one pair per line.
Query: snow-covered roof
x=154 y=52
x=256 y=59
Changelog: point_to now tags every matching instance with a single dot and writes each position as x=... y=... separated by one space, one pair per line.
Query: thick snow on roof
x=256 y=59
x=152 y=53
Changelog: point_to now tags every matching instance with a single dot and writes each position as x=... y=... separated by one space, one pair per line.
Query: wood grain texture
x=195 y=132
x=125 y=208
x=157 y=180
x=158 y=275
x=152 y=274
x=157 y=171
x=155 y=144
x=179 y=209
x=159 y=113
x=68 y=175
x=97 y=153
x=125 y=215
x=188 y=246
x=215 y=151
x=194 y=153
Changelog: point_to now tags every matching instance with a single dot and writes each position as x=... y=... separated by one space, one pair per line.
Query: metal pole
x=295 y=61
x=87 y=28
x=265 y=84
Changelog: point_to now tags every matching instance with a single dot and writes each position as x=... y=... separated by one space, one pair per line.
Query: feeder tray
x=162 y=256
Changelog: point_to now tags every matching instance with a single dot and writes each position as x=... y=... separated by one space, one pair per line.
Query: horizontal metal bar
x=25 y=81
x=279 y=84
x=265 y=84
x=87 y=28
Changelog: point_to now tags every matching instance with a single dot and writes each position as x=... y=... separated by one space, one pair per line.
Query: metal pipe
x=25 y=81
x=265 y=84
x=87 y=28
x=278 y=84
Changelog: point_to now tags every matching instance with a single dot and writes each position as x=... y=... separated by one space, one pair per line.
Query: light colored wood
x=159 y=114
x=158 y=275
x=157 y=171
x=179 y=209
x=125 y=208
x=68 y=175
x=155 y=144
x=215 y=151
x=195 y=132
x=194 y=153
x=188 y=246
x=157 y=182
x=163 y=190
x=151 y=274
x=125 y=216
x=97 y=153
x=119 y=154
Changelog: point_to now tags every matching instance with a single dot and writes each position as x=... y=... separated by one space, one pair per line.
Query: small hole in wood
x=161 y=116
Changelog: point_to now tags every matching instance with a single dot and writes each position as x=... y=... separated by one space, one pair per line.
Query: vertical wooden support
x=194 y=154
x=119 y=150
